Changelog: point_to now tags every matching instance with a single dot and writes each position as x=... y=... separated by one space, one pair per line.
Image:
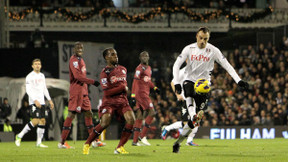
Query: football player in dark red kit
x=114 y=101
x=78 y=91
x=140 y=96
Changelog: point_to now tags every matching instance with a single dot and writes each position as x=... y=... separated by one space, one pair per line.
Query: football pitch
x=209 y=150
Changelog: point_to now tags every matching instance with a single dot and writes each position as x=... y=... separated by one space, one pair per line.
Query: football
x=202 y=86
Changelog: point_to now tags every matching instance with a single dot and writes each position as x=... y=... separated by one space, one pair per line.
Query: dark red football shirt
x=142 y=81
x=77 y=74
x=113 y=82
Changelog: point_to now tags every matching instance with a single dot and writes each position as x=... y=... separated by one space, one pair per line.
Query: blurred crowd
x=138 y=3
x=265 y=103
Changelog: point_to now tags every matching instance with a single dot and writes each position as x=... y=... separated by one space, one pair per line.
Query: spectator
x=37 y=40
x=5 y=109
x=24 y=112
x=276 y=119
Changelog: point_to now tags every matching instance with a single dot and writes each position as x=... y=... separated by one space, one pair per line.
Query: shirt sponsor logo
x=75 y=64
x=114 y=79
x=200 y=58
x=38 y=81
x=146 y=79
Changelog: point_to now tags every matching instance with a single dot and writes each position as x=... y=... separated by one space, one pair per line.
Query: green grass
x=209 y=150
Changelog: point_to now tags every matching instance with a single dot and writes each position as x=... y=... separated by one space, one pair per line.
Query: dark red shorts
x=118 y=110
x=144 y=104
x=76 y=100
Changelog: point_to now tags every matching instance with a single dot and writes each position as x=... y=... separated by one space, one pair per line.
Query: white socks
x=175 y=125
x=25 y=130
x=186 y=130
x=40 y=133
x=189 y=101
x=192 y=134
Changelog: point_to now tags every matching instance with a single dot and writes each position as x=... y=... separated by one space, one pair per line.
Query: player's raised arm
x=77 y=73
x=176 y=68
x=121 y=87
x=221 y=59
x=115 y=90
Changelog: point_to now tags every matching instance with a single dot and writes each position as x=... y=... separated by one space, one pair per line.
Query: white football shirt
x=36 y=88
x=201 y=63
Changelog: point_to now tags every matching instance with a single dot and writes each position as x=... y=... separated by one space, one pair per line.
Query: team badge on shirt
x=123 y=71
x=78 y=109
x=75 y=64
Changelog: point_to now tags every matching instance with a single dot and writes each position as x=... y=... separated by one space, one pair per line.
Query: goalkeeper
x=201 y=56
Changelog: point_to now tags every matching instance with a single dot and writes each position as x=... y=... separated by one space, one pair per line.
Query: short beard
x=114 y=63
x=78 y=55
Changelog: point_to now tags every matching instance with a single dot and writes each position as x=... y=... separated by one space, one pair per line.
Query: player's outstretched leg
x=92 y=136
x=164 y=132
x=17 y=140
x=166 y=129
x=25 y=130
x=90 y=127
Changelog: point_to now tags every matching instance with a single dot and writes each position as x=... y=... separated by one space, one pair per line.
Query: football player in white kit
x=184 y=114
x=201 y=56
x=36 y=90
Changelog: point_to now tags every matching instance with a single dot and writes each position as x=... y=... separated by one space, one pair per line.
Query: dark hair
x=204 y=29
x=36 y=60
x=105 y=52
